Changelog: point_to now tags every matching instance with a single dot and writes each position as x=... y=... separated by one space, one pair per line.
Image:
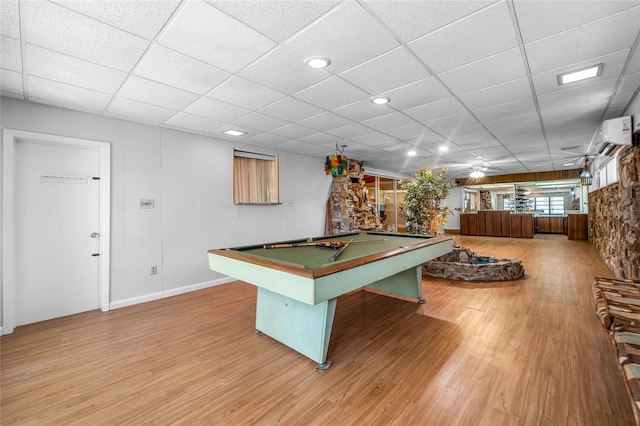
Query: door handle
x=95 y=254
x=95 y=235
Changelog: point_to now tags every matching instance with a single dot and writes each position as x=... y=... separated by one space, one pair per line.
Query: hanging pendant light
x=336 y=165
x=585 y=175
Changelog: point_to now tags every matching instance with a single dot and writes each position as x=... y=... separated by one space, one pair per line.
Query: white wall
x=190 y=178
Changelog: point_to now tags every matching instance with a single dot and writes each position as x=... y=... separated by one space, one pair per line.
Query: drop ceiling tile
x=613 y=113
x=259 y=121
x=325 y=121
x=558 y=16
x=513 y=122
x=435 y=110
x=318 y=151
x=193 y=122
x=294 y=131
x=216 y=110
x=81 y=36
x=322 y=139
x=634 y=63
x=547 y=82
x=578 y=94
x=331 y=93
x=411 y=19
x=352 y=130
x=296 y=146
x=284 y=71
x=348 y=35
x=453 y=122
x=10 y=52
x=621 y=100
x=388 y=71
x=460 y=133
x=139 y=111
x=266 y=17
x=268 y=139
x=291 y=109
x=362 y=110
x=485 y=33
x=491 y=153
x=65 y=94
x=374 y=139
x=414 y=132
x=207 y=34
x=11 y=82
x=154 y=93
x=142 y=18
x=479 y=140
x=524 y=134
x=509 y=109
x=596 y=106
x=497 y=69
x=498 y=94
x=242 y=92
x=585 y=42
x=629 y=83
x=10 y=18
x=538 y=148
x=66 y=69
x=414 y=94
x=389 y=121
x=175 y=69
x=570 y=131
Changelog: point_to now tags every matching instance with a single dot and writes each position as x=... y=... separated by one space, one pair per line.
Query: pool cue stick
x=343 y=248
x=314 y=243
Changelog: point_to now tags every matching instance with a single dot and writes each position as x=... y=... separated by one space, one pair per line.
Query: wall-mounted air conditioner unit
x=615 y=134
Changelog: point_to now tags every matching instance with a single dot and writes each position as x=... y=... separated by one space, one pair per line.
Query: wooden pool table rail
x=329 y=268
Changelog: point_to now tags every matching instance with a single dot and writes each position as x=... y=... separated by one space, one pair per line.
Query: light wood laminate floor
x=526 y=352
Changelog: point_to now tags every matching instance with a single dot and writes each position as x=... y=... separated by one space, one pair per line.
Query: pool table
x=298 y=285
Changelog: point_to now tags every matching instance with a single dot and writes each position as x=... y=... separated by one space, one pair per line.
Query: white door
x=57 y=209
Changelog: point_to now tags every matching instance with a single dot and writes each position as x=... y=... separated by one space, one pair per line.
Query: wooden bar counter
x=497 y=223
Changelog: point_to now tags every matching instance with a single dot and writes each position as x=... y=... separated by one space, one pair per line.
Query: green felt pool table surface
x=315 y=258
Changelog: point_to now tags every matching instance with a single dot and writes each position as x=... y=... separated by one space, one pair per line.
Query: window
x=549 y=205
x=255 y=178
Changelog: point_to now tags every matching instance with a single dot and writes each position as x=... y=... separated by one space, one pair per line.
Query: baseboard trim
x=173 y=292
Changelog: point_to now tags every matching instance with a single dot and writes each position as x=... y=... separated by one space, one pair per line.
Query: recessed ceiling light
x=411 y=153
x=235 y=132
x=578 y=75
x=567 y=164
x=317 y=62
x=380 y=100
x=443 y=148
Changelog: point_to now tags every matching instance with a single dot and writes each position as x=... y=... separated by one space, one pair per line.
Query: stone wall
x=349 y=204
x=485 y=200
x=614 y=218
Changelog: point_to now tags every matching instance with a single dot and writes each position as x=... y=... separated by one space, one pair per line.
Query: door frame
x=10 y=138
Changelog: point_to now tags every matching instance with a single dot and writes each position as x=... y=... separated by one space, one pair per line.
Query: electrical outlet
x=154 y=270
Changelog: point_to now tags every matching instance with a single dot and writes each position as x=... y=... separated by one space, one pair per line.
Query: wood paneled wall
x=521 y=177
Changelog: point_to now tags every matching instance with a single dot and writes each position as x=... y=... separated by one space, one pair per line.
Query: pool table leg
x=406 y=283
x=305 y=328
